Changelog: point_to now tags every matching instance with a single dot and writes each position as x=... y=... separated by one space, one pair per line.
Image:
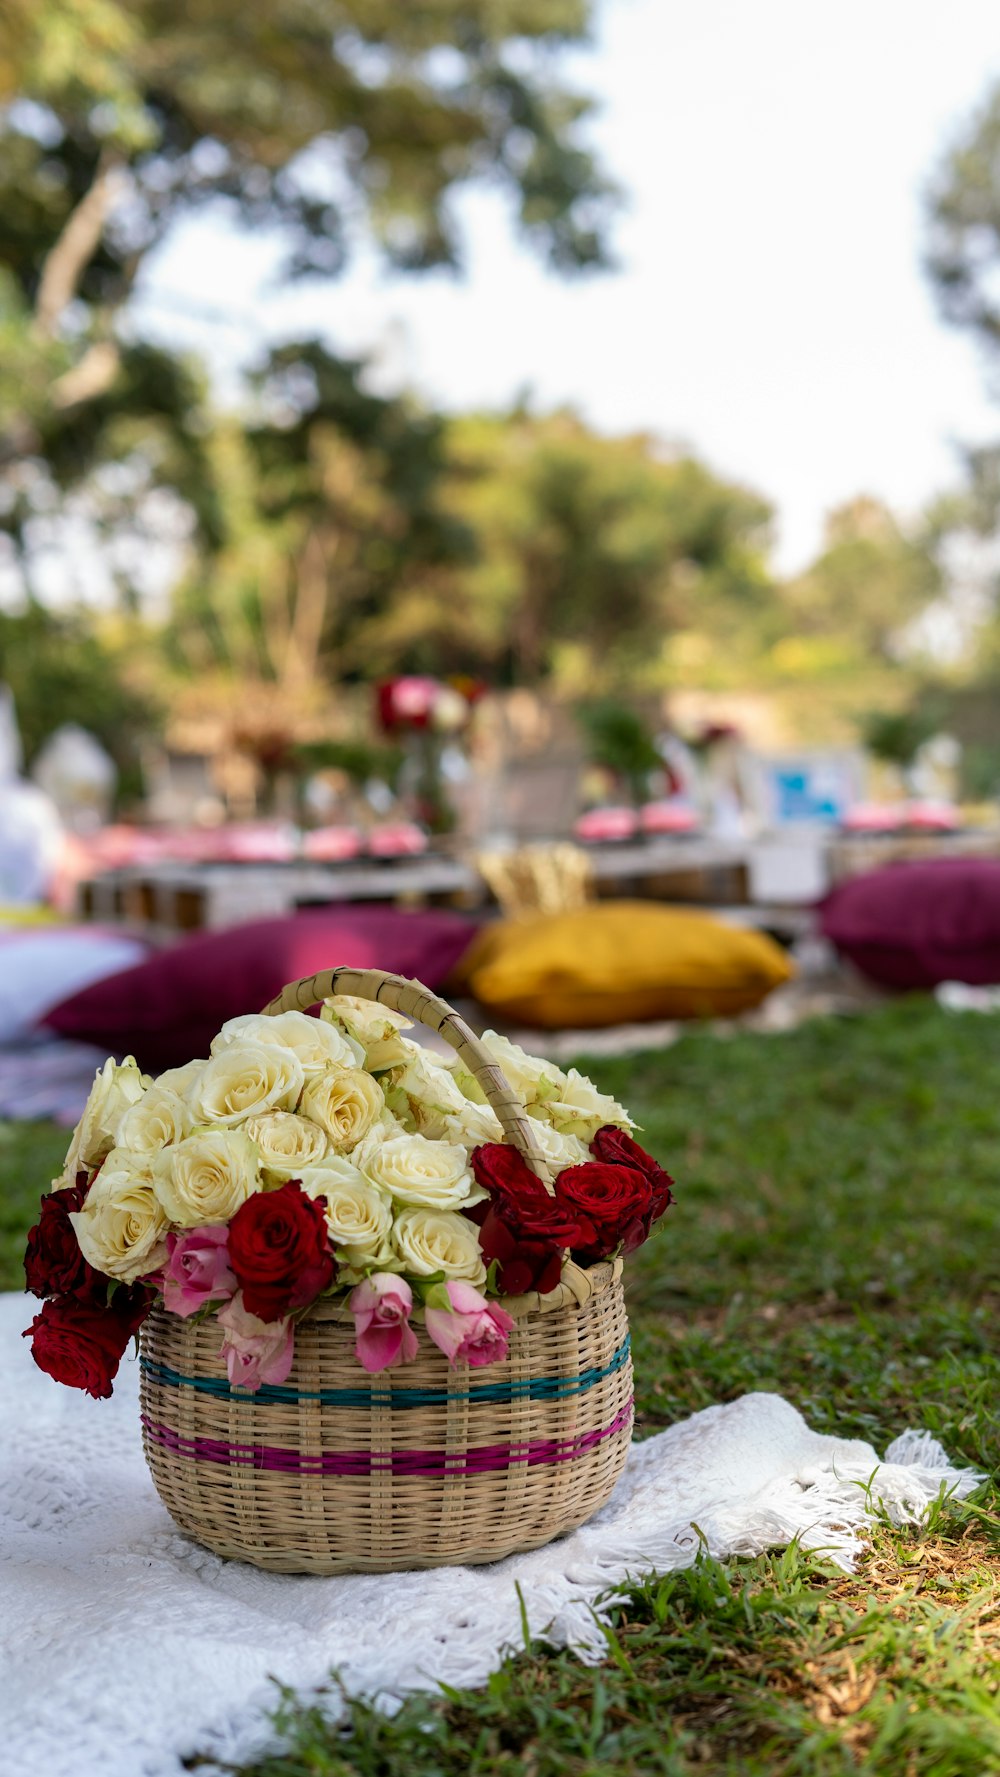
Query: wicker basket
x=336 y=1471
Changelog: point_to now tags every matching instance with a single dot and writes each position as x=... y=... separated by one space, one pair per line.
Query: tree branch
x=312 y=591
x=76 y=245
x=94 y=374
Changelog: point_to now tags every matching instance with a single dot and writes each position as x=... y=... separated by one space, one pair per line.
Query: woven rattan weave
x=338 y=1471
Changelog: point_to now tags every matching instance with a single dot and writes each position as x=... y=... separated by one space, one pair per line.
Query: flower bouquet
x=324 y=1233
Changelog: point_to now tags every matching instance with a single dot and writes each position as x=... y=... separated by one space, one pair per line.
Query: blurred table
x=851 y=854
x=164 y=900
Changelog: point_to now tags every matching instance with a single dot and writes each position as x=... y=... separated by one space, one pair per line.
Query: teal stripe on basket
x=535 y=1388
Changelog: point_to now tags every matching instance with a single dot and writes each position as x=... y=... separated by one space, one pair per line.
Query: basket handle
x=415 y=1001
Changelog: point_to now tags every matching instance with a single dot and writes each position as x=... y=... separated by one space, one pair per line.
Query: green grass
x=31 y=1155
x=835 y=1239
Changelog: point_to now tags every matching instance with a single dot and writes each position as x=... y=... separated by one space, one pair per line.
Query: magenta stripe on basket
x=538 y=1453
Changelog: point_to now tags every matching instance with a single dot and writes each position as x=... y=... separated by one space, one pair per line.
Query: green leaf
x=437 y=1297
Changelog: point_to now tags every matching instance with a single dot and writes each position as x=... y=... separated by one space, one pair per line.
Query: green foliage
x=898 y=735
x=59 y=670
x=870 y=580
x=489 y=546
x=589 y=549
x=298 y=115
x=329 y=515
x=28 y=367
x=963 y=259
x=964 y=216
x=78 y=54
x=359 y=760
x=619 y=739
x=326 y=533
x=317 y=120
x=981 y=772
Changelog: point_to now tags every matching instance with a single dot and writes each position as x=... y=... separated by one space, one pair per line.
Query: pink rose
x=381 y=1307
x=197 y=1270
x=255 y=1350
x=473 y=1330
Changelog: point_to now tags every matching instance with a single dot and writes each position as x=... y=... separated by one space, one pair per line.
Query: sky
x=769 y=311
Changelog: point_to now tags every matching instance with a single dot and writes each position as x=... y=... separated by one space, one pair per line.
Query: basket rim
x=575 y=1289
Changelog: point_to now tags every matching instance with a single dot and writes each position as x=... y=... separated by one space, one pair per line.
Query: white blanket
x=124 y=1646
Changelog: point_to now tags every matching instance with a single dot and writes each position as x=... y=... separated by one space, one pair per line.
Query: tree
x=870 y=580
x=59 y=669
x=589 y=546
x=321 y=121
x=312 y=118
x=963 y=255
x=367 y=537
x=330 y=516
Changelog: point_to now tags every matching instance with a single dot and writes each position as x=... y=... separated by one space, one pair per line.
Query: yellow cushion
x=618 y=963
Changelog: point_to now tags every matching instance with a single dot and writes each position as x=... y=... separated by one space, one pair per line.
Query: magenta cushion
x=166 y=1010
x=916 y=924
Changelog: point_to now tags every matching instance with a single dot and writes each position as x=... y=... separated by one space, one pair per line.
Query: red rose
x=529 y=1241
x=81 y=1343
x=506 y=1175
x=53 y=1262
x=279 y=1252
x=614 y=1146
x=617 y=1200
x=523 y=1227
x=551 y=1220
x=522 y=1263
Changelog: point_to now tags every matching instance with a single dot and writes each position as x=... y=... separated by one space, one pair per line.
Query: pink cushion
x=672 y=816
x=915 y=924
x=602 y=825
x=167 y=1010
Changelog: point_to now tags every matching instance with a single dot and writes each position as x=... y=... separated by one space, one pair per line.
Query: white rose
x=433 y=1174
x=246 y=1080
x=207 y=1177
x=317 y=1045
x=345 y=1102
x=286 y=1143
x=533 y=1079
x=357 y=1214
x=473 y=1125
x=122 y=1225
x=375 y=1027
x=158 y=1120
x=184 y=1081
x=385 y=1125
x=429 y=1240
x=559 y=1151
x=329 y=1175
x=425 y=1093
x=114 y=1090
x=579 y=1109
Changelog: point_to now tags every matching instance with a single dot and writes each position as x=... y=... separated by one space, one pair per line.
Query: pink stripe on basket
x=538 y=1453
